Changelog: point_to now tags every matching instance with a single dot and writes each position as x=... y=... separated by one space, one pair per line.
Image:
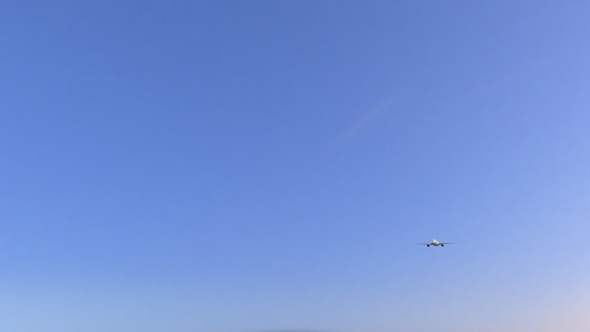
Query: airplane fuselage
x=435 y=243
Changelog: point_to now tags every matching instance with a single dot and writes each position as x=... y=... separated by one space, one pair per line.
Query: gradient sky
x=182 y=166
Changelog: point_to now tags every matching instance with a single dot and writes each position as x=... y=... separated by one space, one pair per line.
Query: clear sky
x=182 y=166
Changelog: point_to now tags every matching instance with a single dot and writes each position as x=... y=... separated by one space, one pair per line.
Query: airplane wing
x=424 y=243
x=447 y=242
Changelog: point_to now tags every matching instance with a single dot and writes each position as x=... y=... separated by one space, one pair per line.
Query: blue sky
x=270 y=165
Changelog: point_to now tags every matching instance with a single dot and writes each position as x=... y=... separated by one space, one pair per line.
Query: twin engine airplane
x=436 y=243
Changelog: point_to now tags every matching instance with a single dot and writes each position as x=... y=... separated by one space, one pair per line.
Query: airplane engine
x=442 y=245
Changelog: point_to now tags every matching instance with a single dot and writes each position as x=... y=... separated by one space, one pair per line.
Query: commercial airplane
x=436 y=243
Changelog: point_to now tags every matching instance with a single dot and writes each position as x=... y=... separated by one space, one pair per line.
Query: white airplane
x=436 y=243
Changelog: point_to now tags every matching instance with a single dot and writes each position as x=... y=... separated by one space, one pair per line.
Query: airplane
x=436 y=243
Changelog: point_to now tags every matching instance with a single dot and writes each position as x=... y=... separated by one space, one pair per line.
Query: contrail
x=369 y=116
